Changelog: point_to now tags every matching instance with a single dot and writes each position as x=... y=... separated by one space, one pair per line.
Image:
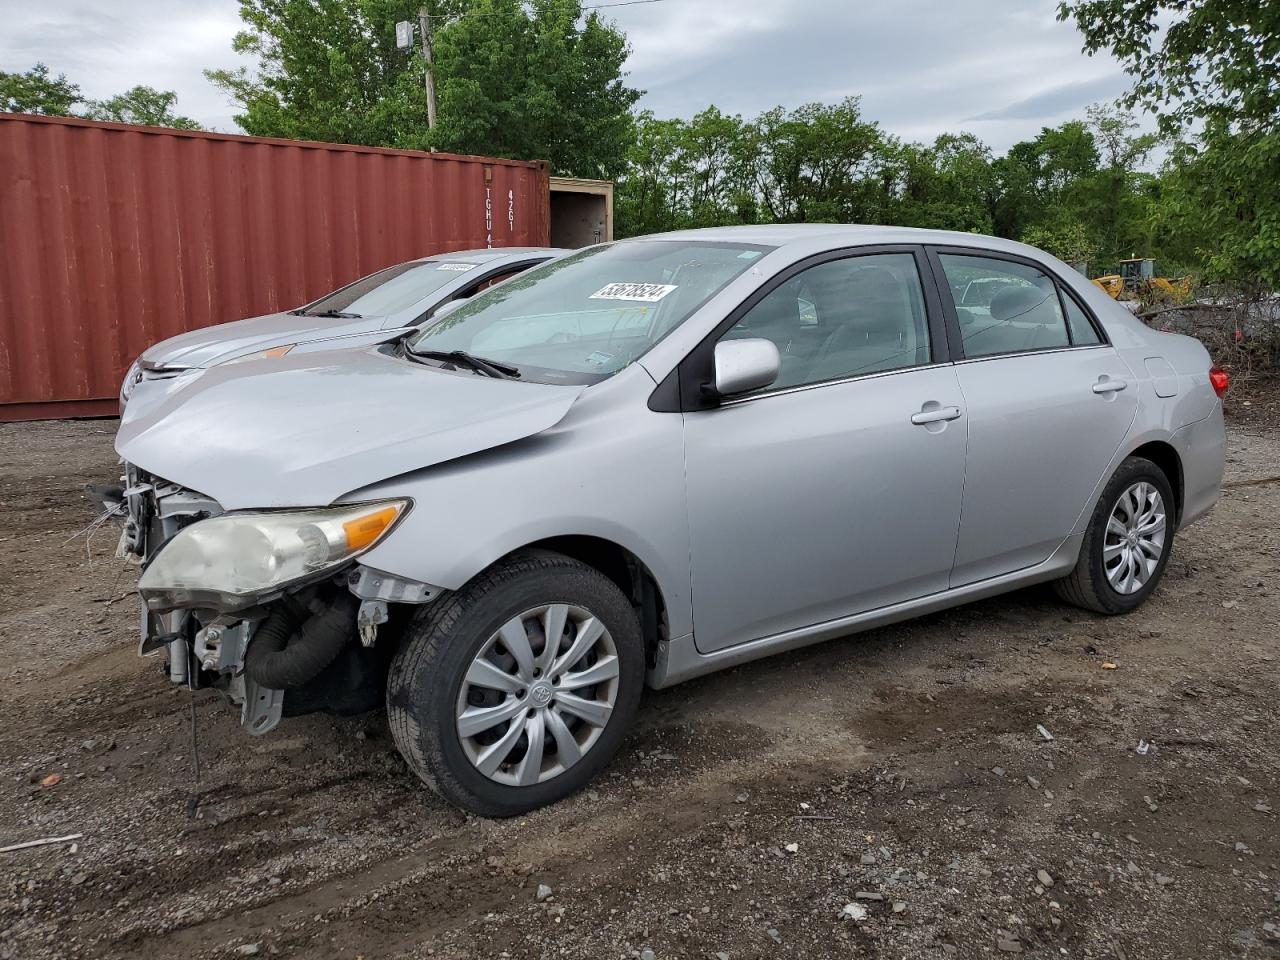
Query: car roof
x=840 y=234
x=492 y=254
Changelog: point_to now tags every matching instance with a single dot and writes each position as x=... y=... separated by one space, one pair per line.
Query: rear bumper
x=1202 y=446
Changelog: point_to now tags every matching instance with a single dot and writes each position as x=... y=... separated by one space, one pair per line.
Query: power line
x=474 y=14
x=623 y=3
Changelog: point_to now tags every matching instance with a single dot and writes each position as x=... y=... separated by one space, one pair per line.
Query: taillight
x=1219 y=380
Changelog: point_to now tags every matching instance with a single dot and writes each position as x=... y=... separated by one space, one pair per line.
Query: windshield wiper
x=336 y=314
x=490 y=368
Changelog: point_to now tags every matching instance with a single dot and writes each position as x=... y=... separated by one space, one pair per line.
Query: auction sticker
x=456 y=266
x=636 y=292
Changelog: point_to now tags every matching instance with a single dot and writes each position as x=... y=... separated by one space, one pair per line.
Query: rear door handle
x=935 y=415
x=1107 y=385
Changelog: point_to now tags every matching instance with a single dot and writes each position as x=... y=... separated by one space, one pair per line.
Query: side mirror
x=744 y=365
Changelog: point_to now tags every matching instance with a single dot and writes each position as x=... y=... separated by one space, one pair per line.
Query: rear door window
x=1004 y=306
x=1083 y=333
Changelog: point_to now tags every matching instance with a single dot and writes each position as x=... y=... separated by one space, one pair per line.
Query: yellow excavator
x=1137 y=280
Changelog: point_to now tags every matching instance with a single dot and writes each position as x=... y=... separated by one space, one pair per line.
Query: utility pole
x=424 y=25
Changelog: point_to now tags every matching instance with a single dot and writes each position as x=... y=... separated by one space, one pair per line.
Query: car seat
x=868 y=312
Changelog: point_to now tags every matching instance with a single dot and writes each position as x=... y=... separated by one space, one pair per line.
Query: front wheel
x=1127 y=544
x=517 y=690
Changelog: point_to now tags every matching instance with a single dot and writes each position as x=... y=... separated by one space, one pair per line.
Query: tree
x=1048 y=180
x=1216 y=60
x=1066 y=238
x=688 y=173
x=327 y=70
x=817 y=163
x=37 y=92
x=820 y=163
x=950 y=185
x=717 y=167
x=535 y=80
x=1119 y=209
x=144 y=105
x=1216 y=63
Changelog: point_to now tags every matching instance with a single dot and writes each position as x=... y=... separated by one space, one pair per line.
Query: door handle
x=935 y=415
x=1107 y=385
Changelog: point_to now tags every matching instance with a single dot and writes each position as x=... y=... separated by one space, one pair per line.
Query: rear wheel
x=517 y=690
x=1127 y=544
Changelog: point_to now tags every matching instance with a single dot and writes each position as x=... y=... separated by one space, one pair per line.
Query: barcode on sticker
x=638 y=292
x=456 y=267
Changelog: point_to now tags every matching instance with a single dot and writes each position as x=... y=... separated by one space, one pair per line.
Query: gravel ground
x=889 y=795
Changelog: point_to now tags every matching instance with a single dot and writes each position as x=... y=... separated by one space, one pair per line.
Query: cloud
x=109 y=48
x=1059 y=100
x=998 y=69
x=920 y=67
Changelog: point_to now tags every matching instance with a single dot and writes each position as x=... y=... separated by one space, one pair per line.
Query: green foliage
x=1220 y=207
x=535 y=80
x=818 y=162
x=1037 y=180
x=687 y=173
x=544 y=79
x=1076 y=190
x=1068 y=240
x=1216 y=62
x=531 y=80
x=327 y=70
x=1116 y=203
x=144 y=105
x=950 y=185
x=37 y=92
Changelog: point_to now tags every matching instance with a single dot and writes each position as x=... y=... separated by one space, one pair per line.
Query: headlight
x=130 y=381
x=238 y=559
x=271 y=353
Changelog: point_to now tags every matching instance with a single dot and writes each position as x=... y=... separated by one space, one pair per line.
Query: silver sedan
x=376 y=308
x=650 y=460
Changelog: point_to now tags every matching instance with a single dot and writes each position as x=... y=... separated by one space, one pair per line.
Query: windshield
x=585 y=316
x=389 y=291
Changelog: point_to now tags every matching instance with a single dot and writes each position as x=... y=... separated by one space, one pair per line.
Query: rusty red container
x=113 y=237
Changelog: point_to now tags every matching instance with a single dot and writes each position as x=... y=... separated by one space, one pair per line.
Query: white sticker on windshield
x=456 y=266
x=637 y=292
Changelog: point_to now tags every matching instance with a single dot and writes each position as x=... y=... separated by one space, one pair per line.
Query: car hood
x=304 y=431
x=221 y=342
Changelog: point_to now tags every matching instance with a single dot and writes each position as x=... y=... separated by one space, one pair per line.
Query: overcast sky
x=1001 y=69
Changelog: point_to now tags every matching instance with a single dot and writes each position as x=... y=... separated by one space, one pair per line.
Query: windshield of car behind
x=389 y=291
x=588 y=315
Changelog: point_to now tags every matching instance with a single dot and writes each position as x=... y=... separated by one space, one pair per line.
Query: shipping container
x=581 y=211
x=113 y=237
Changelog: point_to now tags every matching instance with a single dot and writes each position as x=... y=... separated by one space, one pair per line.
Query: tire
x=1089 y=584
x=431 y=684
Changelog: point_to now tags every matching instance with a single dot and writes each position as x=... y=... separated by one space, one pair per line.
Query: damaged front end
x=270 y=607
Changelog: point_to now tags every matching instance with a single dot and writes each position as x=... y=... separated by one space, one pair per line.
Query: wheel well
x=630 y=574
x=1165 y=457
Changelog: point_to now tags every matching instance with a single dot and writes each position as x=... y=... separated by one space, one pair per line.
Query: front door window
x=843 y=318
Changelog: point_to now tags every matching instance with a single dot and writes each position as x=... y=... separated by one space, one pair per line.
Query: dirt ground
x=899 y=775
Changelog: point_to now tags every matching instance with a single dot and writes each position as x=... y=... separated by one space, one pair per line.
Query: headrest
x=1012 y=303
